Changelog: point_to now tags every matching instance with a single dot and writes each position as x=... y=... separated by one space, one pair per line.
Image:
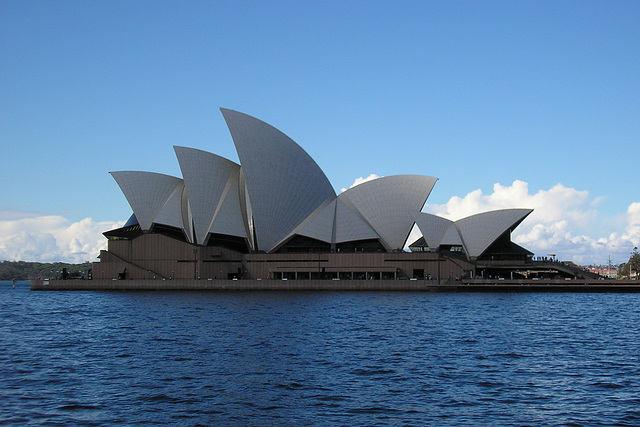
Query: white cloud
x=361 y=180
x=49 y=238
x=565 y=221
x=632 y=233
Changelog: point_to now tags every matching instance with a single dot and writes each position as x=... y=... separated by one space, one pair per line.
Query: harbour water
x=318 y=358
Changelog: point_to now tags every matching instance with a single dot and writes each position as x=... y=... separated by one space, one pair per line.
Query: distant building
x=276 y=216
x=604 y=272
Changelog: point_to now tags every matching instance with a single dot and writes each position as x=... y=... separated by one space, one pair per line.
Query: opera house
x=276 y=216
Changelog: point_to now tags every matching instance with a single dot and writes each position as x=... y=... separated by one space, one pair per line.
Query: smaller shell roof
x=208 y=179
x=146 y=192
x=336 y=222
x=451 y=236
x=475 y=233
x=175 y=211
x=350 y=225
x=432 y=227
x=388 y=204
x=481 y=230
x=320 y=224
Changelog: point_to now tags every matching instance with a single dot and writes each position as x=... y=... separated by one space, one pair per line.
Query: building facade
x=276 y=216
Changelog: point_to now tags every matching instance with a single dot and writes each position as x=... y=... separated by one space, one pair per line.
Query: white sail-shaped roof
x=175 y=212
x=284 y=184
x=387 y=204
x=480 y=231
x=432 y=227
x=229 y=219
x=451 y=236
x=335 y=222
x=208 y=179
x=350 y=225
x=146 y=192
x=280 y=192
x=319 y=225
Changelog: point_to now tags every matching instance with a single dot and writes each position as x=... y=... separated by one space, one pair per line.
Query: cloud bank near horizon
x=51 y=238
x=565 y=221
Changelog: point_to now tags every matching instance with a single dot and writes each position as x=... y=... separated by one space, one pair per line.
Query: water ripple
x=307 y=358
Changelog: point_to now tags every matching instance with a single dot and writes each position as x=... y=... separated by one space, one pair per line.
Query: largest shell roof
x=278 y=191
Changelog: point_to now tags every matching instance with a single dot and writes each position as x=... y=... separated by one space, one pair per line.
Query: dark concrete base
x=339 y=285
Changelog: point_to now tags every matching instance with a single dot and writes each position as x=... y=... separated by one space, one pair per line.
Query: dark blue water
x=318 y=358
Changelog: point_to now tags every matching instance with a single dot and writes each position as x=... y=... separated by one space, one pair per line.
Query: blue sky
x=477 y=94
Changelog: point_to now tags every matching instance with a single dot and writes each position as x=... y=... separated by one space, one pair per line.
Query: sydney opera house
x=276 y=216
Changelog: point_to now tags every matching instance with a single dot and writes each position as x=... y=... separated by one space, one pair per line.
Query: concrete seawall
x=338 y=285
x=228 y=285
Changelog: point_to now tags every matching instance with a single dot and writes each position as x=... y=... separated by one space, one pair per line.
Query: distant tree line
x=23 y=270
x=631 y=269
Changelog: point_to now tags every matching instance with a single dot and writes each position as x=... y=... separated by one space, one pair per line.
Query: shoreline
x=477 y=285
